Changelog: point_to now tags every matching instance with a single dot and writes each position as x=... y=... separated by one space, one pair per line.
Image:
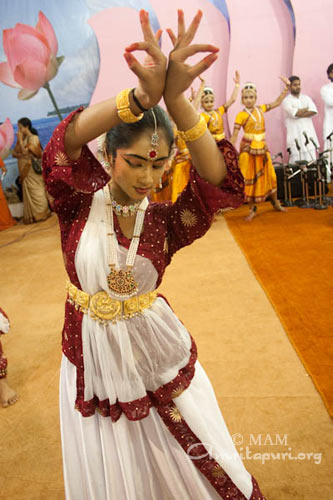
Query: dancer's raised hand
x=180 y=74
x=151 y=74
x=286 y=81
x=237 y=77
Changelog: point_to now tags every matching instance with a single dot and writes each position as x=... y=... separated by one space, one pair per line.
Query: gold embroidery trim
x=255 y=137
x=103 y=308
x=188 y=218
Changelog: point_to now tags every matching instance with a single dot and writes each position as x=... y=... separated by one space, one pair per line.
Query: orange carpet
x=292 y=257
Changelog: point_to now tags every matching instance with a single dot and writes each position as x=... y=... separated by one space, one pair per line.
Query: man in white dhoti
x=326 y=93
x=301 y=135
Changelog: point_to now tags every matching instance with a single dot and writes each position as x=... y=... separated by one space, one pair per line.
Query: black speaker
x=296 y=184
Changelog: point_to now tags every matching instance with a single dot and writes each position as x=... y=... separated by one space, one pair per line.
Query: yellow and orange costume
x=214 y=122
x=181 y=168
x=255 y=160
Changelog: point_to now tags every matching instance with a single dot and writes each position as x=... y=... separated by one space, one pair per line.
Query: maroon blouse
x=167 y=228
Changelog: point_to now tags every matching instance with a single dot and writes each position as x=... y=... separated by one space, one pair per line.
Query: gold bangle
x=123 y=108
x=194 y=133
x=237 y=85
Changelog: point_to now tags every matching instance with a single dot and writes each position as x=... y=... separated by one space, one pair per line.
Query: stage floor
x=268 y=401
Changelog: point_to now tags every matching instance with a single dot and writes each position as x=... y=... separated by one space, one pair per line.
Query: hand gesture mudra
x=151 y=74
x=286 y=81
x=180 y=75
x=237 y=78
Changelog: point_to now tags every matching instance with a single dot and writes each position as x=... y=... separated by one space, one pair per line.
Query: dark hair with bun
x=125 y=134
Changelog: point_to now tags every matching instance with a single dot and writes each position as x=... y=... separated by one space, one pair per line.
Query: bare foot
x=279 y=208
x=251 y=215
x=7 y=395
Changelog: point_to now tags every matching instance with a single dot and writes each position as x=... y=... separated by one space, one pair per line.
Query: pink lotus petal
x=27 y=47
x=26 y=94
x=52 y=68
x=23 y=41
x=2 y=141
x=7 y=128
x=6 y=75
x=6 y=135
x=45 y=27
x=31 y=74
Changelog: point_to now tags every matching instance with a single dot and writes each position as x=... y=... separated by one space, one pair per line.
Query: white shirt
x=326 y=93
x=296 y=126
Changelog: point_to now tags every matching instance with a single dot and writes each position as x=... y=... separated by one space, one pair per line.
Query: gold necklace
x=122 y=282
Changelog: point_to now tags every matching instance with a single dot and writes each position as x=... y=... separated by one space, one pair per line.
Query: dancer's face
x=207 y=102
x=249 y=99
x=133 y=173
x=295 y=88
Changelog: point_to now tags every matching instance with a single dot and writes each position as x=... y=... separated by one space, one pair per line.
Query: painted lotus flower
x=6 y=138
x=31 y=57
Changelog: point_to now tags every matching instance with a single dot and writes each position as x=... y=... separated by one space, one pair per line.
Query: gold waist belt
x=104 y=308
x=255 y=137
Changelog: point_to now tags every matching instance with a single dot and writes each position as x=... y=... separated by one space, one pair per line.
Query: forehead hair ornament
x=207 y=91
x=152 y=153
x=249 y=86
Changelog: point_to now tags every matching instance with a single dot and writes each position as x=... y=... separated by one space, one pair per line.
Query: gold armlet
x=123 y=108
x=194 y=133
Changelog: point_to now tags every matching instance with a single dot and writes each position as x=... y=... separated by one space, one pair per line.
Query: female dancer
x=255 y=160
x=146 y=423
x=35 y=205
x=182 y=160
x=7 y=395
x=213 y=116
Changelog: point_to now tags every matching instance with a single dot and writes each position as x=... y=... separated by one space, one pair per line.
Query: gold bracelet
x=237 y=85
x=123 y=108
x=195 y=132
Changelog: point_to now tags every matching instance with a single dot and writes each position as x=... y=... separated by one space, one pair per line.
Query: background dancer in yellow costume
x=213 y=116
x=255 y=160
x=182 y=160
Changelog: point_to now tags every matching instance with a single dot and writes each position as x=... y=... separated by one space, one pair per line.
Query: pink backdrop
x=260 y=44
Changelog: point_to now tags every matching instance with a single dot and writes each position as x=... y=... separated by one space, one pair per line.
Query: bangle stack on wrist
x=194 y=133
x=123 y=107
x=137 y=102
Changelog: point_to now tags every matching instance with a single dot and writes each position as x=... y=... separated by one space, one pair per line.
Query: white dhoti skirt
x=134 y=460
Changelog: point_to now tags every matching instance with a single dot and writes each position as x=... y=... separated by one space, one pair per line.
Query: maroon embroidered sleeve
x=191 y=215
x=64 y=178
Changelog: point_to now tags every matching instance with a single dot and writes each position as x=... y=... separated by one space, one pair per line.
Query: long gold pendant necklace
x=121 y=282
